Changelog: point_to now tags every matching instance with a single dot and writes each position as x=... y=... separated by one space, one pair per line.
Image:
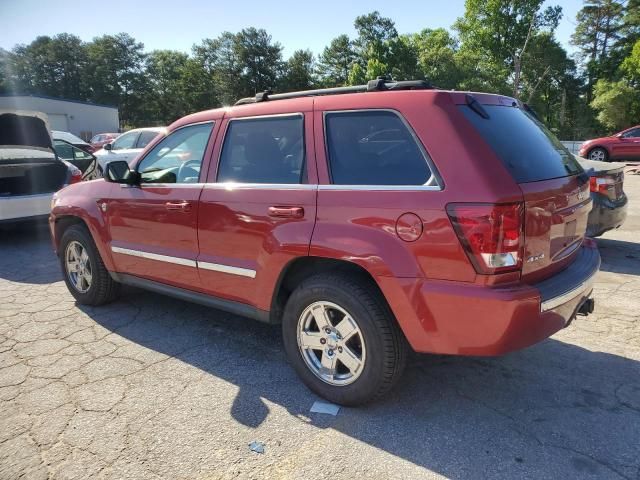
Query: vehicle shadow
x=619 y=256
x=26 y=254
x=549 y=411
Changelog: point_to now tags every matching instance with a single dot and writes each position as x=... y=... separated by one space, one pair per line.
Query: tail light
x=76 y=176
x=492 y=235
x=601 y=184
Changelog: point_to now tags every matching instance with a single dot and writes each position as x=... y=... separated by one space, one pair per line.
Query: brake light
x=601 y=184
x=492 y=235
x=76 y=176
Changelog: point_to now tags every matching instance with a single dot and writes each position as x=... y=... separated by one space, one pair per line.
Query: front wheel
x=84 y=272
x=598 y=154
x=342 y=340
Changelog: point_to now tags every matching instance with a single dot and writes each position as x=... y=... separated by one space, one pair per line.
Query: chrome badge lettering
x=535 y=258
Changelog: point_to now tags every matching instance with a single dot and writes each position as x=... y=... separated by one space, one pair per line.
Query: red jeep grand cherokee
x=364 y=219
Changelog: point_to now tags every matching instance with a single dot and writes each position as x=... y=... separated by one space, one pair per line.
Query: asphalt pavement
x=154 y=388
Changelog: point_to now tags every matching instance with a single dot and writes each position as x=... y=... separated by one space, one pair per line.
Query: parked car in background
x=609 y=200
x=85 y=161
x=364 y=219
x=30 y=170
x=127 y=146
x=101 y=139
x=623 y=145
x=72 y=139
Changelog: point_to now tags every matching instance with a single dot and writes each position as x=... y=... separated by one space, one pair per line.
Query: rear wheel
x=598 y=154
x=84 y=272
x=342 y=340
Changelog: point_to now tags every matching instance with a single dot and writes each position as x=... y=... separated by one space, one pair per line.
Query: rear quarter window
x=373 y=147
x=525 y=146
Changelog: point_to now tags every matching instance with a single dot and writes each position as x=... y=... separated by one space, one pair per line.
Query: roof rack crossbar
x=380 y=84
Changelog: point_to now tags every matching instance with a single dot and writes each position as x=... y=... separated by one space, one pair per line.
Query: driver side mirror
x=119 y=172
x=107 y=147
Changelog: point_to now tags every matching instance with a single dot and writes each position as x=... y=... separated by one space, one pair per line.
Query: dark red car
x=100 y=140
x=366 y=220
x=624 y=145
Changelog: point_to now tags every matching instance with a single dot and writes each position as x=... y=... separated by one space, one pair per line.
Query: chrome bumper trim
x=555 y=302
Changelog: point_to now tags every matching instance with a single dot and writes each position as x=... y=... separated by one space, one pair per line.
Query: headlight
x=54 y=200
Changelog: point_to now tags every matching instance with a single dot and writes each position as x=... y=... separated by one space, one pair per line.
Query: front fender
x=82 y=201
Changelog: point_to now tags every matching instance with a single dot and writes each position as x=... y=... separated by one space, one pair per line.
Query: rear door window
x=524 y=145
x=263 y=150
x=373 y=147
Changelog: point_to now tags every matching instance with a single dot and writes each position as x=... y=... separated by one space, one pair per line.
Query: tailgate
x=556 y=214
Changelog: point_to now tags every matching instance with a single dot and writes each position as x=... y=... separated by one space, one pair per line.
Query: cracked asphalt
x=150 y=387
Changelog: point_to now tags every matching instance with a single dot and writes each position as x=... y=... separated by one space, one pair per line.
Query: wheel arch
x=299 y=269
x=63 y=221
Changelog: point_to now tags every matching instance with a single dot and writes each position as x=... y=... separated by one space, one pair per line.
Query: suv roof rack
x=378 y=85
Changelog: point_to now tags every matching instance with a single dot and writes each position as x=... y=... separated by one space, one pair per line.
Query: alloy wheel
x=331 y=343
x=78 y=266
x=598 y=155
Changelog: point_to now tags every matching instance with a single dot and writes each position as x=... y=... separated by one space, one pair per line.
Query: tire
x=598 y=154
x=379 y=342
x=102 y=288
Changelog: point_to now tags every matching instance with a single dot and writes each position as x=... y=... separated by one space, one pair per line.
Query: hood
x=24 y=128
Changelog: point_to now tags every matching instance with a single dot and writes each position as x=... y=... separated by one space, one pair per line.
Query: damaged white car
x=30 y=169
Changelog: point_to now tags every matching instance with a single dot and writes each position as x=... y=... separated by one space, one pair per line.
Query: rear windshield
x=525 y=146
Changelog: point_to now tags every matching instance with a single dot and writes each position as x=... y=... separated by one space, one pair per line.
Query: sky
x=177 y=25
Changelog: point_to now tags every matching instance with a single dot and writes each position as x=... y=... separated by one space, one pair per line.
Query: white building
x=80 y=118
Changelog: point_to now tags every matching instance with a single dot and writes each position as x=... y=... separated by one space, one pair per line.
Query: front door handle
x=178 y=206
x=286 y=212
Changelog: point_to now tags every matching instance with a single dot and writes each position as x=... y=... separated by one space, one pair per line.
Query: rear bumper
x=456 y=318
x=24 y=207
x=606 y=215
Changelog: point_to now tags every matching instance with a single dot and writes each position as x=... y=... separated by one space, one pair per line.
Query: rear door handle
x=286 y=212
x=178 y=206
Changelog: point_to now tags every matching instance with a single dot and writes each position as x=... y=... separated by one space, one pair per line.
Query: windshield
x=526 y=147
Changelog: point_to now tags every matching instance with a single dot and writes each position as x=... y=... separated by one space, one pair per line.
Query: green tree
x=199 y=88
x=5 y=71
x=165 y=72
x=335 y=62
x=220 y=59
x=52 y=66
x=597 y=33
x=260 y=58
x=436 y=57
x=299 y=72
x=631 y=66
x=617 y=103
x=374 y=32
x=494 y=36
x=548 y=81
x=115 y=75
x=241 y=64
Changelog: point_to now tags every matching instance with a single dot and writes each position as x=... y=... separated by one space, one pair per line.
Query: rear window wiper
x=476 y=106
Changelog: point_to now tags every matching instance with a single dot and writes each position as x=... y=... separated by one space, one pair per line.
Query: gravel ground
x=151 y=387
